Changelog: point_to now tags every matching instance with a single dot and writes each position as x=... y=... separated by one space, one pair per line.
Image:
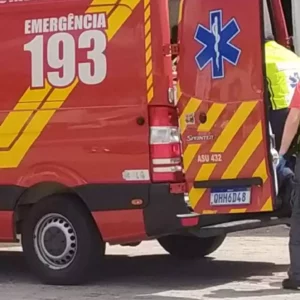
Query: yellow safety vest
x=283 y=74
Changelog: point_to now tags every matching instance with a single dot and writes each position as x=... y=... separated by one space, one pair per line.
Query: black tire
x=89 y=247
x=189 y=246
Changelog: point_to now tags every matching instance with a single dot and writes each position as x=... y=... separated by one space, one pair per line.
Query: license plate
x=230 y=196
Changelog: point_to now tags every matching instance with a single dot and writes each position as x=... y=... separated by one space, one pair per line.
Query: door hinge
x=171 y=49
x=173 y=95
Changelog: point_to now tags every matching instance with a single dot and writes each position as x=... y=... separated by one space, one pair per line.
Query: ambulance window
x=287 y=8
x=267 y=21
x=174 y=14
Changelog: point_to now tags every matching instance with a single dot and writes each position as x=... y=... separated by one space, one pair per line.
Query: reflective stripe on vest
x=283 y=74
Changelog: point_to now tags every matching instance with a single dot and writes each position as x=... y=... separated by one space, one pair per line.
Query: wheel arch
x=39 y=192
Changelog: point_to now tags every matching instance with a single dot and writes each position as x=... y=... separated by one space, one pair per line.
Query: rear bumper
x=161 y=214
x=157 y=212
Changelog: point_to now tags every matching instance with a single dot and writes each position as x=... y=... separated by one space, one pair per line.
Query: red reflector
x=165 y=147
x=163 y=116
x=177 y=188
x=168 y=177
x=165 y=151
x=189 y=222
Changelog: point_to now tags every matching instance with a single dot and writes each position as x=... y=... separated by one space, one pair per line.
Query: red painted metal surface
x=94 y=137
x=117 y=227
x=232 y=140
x=281 y=33
x=162 y=64
x=6 y=230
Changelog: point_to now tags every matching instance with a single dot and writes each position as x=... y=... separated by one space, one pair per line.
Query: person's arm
x=292 y=122
x=290 y=130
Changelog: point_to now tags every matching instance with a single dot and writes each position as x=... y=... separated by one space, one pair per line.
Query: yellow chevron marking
x=148 y=50
x=148 y=40
x=27 y=106
x=180 y=11
x=192 y=149
x=149 y=68
x=233 y=126
x=179 y=92
x=190 y=108
x=104 y=8
x=104 y=2
x=15 y=122
x=37 y=95
x=53 y=105
x=238 y=210
x=147 y=26
x=244 y=153
x=16 y=119
x=148 y=56
x=203 y=174
x=209 y=212
x=12 y=158
x=12 y=125
x=221 y=145
x=189 y=154
x=212 y=116
x=62 y=93
x=147 y=9
x=261 y=171
x=268 y=206
x=130 y=3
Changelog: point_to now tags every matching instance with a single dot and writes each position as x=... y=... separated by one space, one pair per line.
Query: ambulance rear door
x=225 y=136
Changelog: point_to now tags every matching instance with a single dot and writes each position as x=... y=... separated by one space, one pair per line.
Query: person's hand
x=282 y=163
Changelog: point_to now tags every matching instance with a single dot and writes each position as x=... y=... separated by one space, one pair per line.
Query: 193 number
x=61 y=58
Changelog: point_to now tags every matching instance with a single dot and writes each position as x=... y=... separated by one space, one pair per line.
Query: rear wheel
x=189 y=246
x=60 y=241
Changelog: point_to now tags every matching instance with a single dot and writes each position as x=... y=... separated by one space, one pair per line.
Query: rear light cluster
x=165 y=146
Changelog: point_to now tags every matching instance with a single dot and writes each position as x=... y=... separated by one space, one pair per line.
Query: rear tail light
x=165 y=147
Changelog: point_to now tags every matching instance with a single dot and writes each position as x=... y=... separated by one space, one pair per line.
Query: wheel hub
x=55 y=241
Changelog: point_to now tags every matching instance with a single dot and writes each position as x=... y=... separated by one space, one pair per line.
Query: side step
x=235 y=226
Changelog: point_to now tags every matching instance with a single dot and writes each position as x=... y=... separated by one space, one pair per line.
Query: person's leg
x=293 y=282
x=286 y=181
x=284 y=173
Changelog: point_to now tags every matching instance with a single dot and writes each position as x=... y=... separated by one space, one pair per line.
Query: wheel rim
x=55 y=241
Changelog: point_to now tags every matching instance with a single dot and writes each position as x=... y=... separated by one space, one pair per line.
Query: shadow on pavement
x=233 y=294
x=154 y=274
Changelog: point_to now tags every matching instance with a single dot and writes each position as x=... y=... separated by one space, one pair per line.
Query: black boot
x=290 y=284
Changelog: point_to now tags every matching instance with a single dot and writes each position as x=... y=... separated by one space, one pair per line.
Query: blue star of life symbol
x=217 y=44
x=294 y=79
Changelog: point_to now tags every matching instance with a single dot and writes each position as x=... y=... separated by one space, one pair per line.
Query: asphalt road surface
x=249 y=266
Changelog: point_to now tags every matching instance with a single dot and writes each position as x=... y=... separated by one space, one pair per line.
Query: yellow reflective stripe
x=12 y=125
x=104 y=8
x=238 y=210
x=268 y=206
x=261 y=171
x=37 y=95
x=244 y=153
x=27 y=106
x=233 y=126
x=212 y=116
x=203 y=174
x=191 y=107
x=189 y=154
x=104 y=2
x=12 y=158
x=52 y=105
x=148 y=50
